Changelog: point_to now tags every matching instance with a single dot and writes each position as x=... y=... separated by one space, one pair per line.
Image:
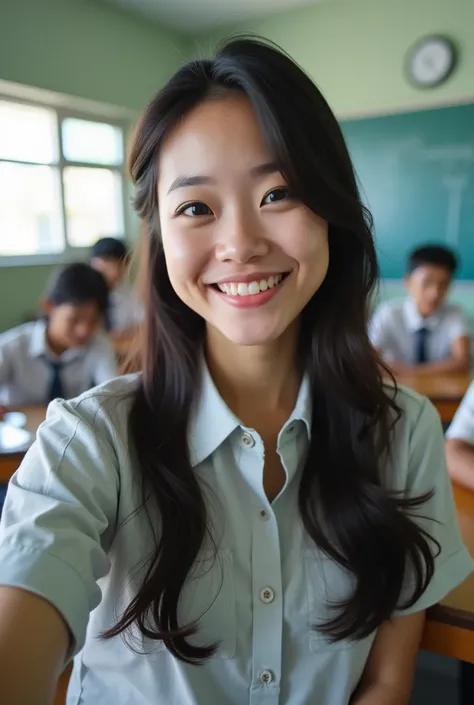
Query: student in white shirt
x=460 y=442
x=65 y=353
x=226 y=528
x=423 y=333
x=110 y=257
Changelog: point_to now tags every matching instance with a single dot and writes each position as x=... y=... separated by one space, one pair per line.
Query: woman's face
x=240 y=250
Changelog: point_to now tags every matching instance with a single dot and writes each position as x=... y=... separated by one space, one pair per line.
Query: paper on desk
x=12 y=438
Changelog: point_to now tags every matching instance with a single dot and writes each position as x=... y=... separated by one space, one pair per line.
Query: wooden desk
x=444 y=391
x=450 y=625
x=11 y=459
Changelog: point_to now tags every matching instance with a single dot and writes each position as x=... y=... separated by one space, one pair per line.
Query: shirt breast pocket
x=328 y=584
x=208 y=598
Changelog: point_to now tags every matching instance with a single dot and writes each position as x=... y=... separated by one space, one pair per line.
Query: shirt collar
x=212 y=422
x=414 y=321
x=39 y=345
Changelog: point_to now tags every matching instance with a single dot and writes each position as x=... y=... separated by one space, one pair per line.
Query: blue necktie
x=56 y=386
x=421 y=346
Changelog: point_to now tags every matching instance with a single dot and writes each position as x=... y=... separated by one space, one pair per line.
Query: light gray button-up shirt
x=63 y=536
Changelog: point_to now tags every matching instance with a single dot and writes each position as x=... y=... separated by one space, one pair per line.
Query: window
x=61 y=182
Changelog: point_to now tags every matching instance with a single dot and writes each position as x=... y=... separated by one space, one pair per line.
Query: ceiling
x=192 y=16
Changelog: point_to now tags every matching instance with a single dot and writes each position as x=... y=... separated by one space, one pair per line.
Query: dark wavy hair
x=344 y=507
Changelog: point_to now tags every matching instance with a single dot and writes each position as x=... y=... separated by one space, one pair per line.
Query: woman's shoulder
x=417 y=440
x=102 y=411
x=411 y=403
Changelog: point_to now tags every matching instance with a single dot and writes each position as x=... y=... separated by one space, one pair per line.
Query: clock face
x=431 y=61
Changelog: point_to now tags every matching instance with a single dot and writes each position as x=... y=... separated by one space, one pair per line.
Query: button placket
x=247 y=440
x=268 y=608
x=266 y=677
x=267 y=595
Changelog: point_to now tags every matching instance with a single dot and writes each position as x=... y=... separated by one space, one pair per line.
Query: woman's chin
x=247 y=336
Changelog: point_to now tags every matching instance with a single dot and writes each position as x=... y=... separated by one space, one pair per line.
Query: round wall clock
x=430 y=61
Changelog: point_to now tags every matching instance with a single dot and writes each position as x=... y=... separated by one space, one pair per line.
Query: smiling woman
x=231 y=226
x=269 y=519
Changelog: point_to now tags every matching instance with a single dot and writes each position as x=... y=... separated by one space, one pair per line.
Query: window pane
x=93 y=200
x=92 y=142
x=28 y=133
x=30 y=210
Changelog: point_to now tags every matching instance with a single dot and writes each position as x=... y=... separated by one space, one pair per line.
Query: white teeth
x=250 y=289
x=254 y=288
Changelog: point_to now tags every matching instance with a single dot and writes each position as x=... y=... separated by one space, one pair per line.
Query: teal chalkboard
x=416 y=172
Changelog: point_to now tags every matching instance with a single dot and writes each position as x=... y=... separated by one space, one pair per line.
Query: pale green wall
x=86 y=48
x=82 y=48
x=354 y=49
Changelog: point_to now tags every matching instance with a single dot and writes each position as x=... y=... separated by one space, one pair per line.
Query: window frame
x=63 y=111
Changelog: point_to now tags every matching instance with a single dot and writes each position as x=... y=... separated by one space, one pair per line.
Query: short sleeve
x=427 y=472
x=58 y=515
x=462 y=425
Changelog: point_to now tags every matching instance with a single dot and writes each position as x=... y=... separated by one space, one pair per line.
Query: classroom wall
x=354 y=49
x=82 y=48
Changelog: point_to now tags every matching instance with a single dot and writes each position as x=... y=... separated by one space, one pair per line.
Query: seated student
x=110 y=257
x=423 y=334
x=65 y=353
x=460 y=443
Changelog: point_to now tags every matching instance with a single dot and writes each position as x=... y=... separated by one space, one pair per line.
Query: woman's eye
x=194 y=209
x=277 y=194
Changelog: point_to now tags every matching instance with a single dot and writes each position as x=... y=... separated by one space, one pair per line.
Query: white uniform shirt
x=25 y=375
x=63 y=535
x=462 y=425
x=124 y=309
x=394 y=324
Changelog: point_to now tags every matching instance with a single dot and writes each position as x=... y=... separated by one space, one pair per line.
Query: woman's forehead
x=217 y=136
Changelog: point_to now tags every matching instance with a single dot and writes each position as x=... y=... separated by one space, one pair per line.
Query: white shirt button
x=248 y=440
x=263 y=514
x=267 y=595
x=266 y=677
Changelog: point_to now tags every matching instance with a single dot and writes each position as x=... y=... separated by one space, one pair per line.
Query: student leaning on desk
x=64 y=353
x=423 y=334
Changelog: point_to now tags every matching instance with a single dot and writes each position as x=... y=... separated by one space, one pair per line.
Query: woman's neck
x=259 y=384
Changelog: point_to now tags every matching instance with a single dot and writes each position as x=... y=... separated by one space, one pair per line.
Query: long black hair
x=344 y=507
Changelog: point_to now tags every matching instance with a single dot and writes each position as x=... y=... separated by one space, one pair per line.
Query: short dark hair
x=78 y=284
x=438 y=255
x=110 y=247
